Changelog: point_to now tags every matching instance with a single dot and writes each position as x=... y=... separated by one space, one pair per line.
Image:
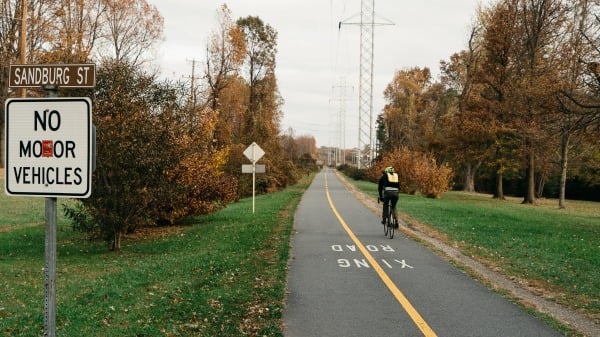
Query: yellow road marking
x=410 y=310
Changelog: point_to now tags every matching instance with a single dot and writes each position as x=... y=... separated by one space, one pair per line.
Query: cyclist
x=389 y=189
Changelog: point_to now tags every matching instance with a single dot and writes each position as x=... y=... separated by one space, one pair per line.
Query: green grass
x=551 y=249
x=218 y=275
x=224 y=274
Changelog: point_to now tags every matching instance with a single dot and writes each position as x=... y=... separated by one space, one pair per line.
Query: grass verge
x=220 y=275
x=553 y=252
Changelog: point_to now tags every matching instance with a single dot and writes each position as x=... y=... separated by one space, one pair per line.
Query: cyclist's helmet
x=389 y=169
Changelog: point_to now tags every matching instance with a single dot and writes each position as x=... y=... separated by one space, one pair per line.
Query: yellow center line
x=410 y=310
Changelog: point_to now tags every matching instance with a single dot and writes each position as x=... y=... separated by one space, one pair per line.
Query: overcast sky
x=315 y=57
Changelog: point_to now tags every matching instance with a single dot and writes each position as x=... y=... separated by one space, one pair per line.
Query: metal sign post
x=254 y=153
x=253 y=185
x=49 y=151
x=50 y=270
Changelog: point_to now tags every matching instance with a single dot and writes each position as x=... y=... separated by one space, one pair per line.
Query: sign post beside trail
x=254 y=153
x=49 y=150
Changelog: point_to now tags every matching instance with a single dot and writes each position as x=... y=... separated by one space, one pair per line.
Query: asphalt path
x=347 y=279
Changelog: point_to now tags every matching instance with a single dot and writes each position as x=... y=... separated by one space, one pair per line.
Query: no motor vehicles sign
x=48 y=147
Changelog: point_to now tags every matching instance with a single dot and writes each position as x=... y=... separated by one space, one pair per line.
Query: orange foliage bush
x=156 y=159
x=418 y=172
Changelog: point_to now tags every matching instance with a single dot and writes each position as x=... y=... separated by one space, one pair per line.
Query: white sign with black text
x=48 y=147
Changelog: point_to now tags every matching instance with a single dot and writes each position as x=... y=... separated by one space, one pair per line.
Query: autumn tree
x=71 y=29
x=11 y=14
x=10 y=25
x=76 y=31
x=156 y=163
x=498 y=75
x=233 y=100
x=226 y=91
x=441 y=104
x=261 y=119
x=416 y=115
x=225 y=54
x=300 y=150
x=289 y=145
x=306 y=145
x=578 y=95
x=129 y=29
x=542 y=23
x=404 y=109
x=521 y=97
x=470 y=128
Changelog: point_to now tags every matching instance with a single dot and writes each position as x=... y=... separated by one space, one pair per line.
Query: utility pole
x=23 y=40
x=367 y=25
x=193 y=82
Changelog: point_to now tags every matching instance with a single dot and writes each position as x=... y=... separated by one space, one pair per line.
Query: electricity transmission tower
x=340 y=156
x=366 y=136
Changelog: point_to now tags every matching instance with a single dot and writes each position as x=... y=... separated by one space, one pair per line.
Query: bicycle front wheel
x=389 y=222
x=386 y=226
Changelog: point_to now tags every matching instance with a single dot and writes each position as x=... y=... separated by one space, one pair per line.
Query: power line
x=366 y=136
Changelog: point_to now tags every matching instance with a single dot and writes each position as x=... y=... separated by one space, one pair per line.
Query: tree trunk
x=116 y=245
x=541 y=183
x=470 y=171
x=564 y=151
x=469 y=178
x=499 y=194
x=530 y=192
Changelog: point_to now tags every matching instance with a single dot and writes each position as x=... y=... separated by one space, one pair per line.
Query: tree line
x=166 y=150
x=521 y=102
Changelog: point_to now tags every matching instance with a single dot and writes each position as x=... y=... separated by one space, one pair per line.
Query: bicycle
x=390 y=223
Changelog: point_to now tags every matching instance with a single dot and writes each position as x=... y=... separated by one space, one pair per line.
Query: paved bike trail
x=347 y=279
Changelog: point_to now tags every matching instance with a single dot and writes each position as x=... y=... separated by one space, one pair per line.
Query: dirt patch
x=11 y=228
x=529 y=295
x=152 y=232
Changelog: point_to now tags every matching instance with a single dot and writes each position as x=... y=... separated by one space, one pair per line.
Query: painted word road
x=389 y=262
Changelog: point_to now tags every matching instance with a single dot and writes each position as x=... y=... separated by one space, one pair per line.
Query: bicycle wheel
x=385 y=226
x=390 y=223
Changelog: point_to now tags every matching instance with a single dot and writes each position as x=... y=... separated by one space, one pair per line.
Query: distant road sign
x=254 y=152
x=60 y=75
x=253 y=168
x=48 y=147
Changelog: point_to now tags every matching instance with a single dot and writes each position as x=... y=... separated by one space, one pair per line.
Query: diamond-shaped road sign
x=254 y=152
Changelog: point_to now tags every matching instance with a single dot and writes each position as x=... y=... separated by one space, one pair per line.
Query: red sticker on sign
x=47 y=148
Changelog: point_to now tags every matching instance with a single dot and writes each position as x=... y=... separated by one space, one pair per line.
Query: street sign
x=59 y=75
x=247 y=168
x=254 y=152
x=48 y=150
